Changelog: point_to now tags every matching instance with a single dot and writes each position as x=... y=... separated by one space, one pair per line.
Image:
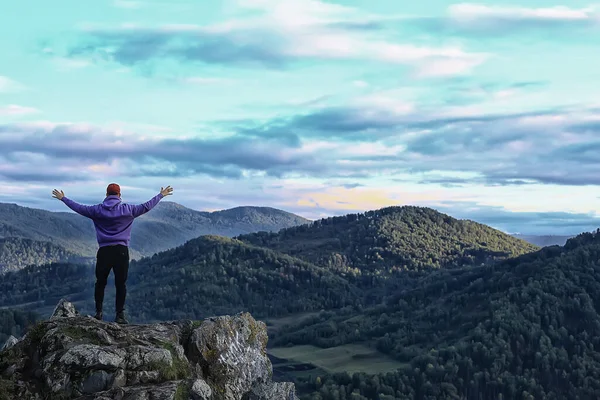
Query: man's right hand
x=166 y=191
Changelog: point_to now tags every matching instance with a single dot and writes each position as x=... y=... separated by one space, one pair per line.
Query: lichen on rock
x=71 y=356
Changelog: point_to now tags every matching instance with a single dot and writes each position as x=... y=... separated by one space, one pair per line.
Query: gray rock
x=201 y=390
x=120 y=379
x=97 y=381
x=142 y=357
x=64 y=309
x=85 y=356
x=10 y=342
x=137 y=377
x=273 y=391
x=233 y=350
x=165 y=391
x=74 y=357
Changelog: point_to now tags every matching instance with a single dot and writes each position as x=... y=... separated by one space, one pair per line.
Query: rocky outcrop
x=71 y=356
x=10 y=342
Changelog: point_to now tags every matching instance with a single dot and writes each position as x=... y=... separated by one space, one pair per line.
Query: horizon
x=313 y=220
x=481 y=110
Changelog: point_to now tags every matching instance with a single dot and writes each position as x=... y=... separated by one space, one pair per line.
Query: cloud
x=468 y=12
x=8 y=85
x=470 y=92
x=552 y=146
x=38 y=168
x=13 y=110
x=499 y=20
x=172 y=5
x=370 y=137
x=284 y=34
x=154 y=155
x=375 y=117
x=532 y=223
x=65 y=63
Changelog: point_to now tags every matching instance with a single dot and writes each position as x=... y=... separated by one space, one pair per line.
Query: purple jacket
x=113 y=219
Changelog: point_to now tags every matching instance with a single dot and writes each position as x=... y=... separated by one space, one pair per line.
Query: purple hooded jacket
x=113 y=219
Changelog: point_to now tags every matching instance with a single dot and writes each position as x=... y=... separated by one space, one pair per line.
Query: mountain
x=544 y=240
x=68 y=230
x=404 y=280
x=527 y=327
x=205 y=276
x=356 y=261
x=16 y=253
x=392 y=239
x=71 y=356
x=167 y=225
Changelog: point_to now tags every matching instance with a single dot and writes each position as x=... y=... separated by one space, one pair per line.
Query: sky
x=486 y=111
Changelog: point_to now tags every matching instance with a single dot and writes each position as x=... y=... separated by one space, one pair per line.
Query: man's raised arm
x=141 y=209
x=80 y=209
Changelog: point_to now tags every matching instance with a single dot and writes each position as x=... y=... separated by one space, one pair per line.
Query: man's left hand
x=58 y=194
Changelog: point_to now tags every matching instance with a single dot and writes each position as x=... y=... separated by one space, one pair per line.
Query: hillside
x=208 y=275
x=68 y=230
x=356 y=260
x=16 y=253
x=167 y=225
x=15 y=323
x=392 y=239
x=178 y=224
x=527 y=327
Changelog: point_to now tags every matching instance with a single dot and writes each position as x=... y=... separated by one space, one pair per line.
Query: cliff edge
x=71 y=356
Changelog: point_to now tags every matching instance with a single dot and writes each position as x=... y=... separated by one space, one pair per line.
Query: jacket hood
x=111 y=202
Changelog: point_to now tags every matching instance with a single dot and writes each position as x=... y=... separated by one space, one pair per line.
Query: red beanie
x=113 y=189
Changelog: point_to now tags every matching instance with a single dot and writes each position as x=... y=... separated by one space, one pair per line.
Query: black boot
x=98 y=315
x=120 y=319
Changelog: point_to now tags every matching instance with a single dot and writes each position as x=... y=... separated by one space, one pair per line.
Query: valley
x=398 y=300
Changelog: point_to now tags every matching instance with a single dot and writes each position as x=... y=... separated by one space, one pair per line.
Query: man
x=113 y=221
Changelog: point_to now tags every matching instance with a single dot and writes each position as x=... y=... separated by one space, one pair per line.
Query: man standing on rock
x=113 y=221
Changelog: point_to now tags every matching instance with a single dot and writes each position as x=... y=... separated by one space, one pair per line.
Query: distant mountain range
x=465 y=310
x=544 y=240
x=166 y=226
x=353 y=260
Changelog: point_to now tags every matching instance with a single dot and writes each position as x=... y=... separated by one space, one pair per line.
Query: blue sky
x=487 y=110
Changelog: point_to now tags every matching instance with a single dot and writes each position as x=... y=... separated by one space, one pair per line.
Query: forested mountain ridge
x=68 y=230
x=16 y=253
x=206 y=276
x=527 y=327
x=368 y=257
x=391 y=239
x=168 y=225
x=177 y=224
x=522 y=327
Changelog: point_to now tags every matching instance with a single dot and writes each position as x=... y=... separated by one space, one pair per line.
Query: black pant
x=116 y=258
